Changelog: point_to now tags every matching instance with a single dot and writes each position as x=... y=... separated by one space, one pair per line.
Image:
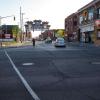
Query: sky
x=53 y=11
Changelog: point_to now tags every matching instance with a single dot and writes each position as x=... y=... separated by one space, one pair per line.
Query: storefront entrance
x=87 y=37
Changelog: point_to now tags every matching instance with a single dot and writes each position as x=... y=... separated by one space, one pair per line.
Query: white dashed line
x=96 y=63
x=27 y=64
x=33 y=94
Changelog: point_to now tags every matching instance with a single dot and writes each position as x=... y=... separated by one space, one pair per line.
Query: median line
x=27 y=86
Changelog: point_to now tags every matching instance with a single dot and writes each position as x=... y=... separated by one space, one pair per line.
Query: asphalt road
x=48 y=73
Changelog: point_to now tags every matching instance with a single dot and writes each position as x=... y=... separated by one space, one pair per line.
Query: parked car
x=60 y=42
x=48 y=40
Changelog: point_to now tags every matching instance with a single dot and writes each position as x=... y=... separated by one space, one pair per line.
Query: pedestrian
x=33 y=41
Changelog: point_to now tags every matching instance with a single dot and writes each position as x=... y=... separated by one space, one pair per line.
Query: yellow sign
x=85 y=13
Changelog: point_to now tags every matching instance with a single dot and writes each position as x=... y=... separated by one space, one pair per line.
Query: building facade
x=71 y=27
x=86 y=23
x=9 y=32
x=89 y=16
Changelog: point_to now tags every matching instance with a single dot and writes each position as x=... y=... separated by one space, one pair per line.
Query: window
x=75 y=23
x=98 y=13
x=80 y=19
x=90 y=15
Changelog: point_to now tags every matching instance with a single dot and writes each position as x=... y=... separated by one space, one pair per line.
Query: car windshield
x=60 y=39
x=49 y=49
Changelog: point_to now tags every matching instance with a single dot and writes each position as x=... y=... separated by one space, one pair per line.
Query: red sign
x=7 y=36
x=97 y=23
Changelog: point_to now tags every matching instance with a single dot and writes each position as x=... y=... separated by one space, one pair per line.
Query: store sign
x=87 y=28
x=97 y=23
x=7 y=36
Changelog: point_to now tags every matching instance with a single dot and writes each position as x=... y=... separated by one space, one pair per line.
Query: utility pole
x=0 y=20
x=0 y=33
x=21 y=23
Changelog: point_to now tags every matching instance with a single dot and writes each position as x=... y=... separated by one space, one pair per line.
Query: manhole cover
x=97 y=63
x=27 y=64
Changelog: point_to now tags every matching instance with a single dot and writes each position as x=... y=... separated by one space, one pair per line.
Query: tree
x=15 y=31
x=60 y=33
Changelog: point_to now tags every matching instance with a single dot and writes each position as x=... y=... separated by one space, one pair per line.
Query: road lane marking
x=33 y=94
x=96 y=63
x=27 y=64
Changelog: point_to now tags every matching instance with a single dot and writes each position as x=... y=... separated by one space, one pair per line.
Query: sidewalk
x=78 y=44
x=18 y=44
x=14 y=44
x=29 y=43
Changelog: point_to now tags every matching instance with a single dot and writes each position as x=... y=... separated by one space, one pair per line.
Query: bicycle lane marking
x=27 y=86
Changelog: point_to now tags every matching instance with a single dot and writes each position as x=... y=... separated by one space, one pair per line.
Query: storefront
x=86 y=33
x=97 y=32
x=97 y=29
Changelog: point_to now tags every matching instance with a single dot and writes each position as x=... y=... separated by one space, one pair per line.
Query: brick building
x=88 y=15
x=88 y=23
x=71 y=27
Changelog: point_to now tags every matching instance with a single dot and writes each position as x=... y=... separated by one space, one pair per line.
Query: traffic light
x=14 y=18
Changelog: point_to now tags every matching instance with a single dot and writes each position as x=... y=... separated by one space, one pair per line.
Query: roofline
x=70 y=15
x=88 y=5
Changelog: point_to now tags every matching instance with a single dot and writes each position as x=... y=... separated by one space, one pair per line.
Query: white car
x=60 y=42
